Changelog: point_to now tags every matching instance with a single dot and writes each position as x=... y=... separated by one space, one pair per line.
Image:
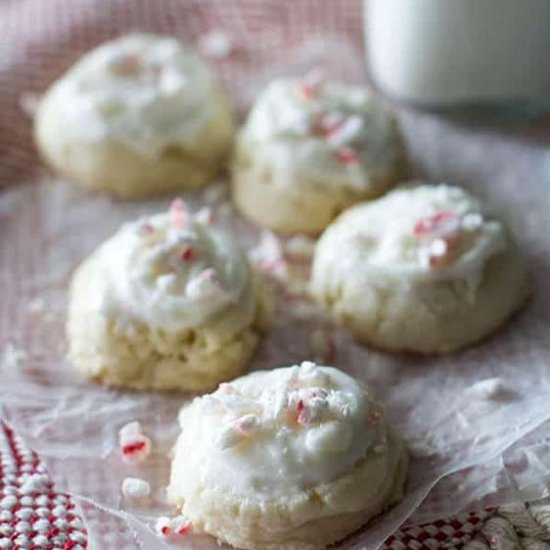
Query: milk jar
x=445 y=53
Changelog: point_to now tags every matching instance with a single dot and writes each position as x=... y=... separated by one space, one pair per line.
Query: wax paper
x=472 y=444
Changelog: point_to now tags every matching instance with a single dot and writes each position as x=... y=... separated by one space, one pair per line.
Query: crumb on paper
x=216 y=44
x=171 y=528
x=135 y=488
x=37 y=305
x=135 y=446
x=28 y=103
x=300 y=247
x=14 y=357
x=490 y=389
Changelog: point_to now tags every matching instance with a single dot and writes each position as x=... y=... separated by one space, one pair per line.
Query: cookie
x=137 y=116
x=427 y=268
x=290 y=459
x=309 y=149
x=169 y=302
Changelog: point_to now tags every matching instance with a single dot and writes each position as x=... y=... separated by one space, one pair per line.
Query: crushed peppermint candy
x=135 y=488
x=346 y=156
x=177 y=212
x=268 y=255
x=135 y=446
x=346 y=132
x=312 y=82
x=188 y=252
x=206 y=283
x=441 y=222
x=163 y=526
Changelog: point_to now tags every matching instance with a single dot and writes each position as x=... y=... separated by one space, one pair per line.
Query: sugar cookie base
x=114 y=166
x=129 y=353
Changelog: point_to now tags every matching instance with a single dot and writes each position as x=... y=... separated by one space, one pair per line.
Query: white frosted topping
x=278 y=431
x=426 y=231
x=145 y=90
x=321 y=129
x=169 y=270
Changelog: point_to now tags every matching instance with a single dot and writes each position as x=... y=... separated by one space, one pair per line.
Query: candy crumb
x=14 y=357
x=163 y=526
x=135 y=446
x=216 y=44
x=135 y=488
x=490 y=389
x=300 y=247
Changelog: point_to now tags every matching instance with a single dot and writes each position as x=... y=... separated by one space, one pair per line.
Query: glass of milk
x=460 y=53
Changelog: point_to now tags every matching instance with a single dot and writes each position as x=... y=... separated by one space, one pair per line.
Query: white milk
x=443 y=52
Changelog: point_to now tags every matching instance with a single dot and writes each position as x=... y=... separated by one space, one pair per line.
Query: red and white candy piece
x=346 y=132
x=206 y=283
x=346 y=156
x=178 y=212
x=312 y=81
x=135 y=446
x=441 y=222
x=173 y=528
x=188 y=253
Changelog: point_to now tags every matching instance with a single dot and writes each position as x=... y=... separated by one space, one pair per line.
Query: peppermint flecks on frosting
x=148 y=91
x=172 y=270
x=268 y=422
x=322 y=128
x=424 y=230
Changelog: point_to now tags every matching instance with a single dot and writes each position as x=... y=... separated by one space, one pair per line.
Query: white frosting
x=326 y=131
x=147 y=91
x=428 y=231
x=171 y=271
x=277 y=432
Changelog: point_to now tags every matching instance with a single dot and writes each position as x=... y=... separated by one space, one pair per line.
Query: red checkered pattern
x=32 y=515
x=451 y=533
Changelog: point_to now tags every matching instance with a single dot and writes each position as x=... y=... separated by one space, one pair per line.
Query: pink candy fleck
x=433 y=222
x=188 y=253
x=346 y=156
x=128 y=65
x=309 y=87
x=177 y=212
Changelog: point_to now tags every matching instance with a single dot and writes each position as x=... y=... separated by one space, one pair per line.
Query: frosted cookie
x=290 y=459
x=309 y=149
x=169 y=302
x=426 y=269
x=139 y=115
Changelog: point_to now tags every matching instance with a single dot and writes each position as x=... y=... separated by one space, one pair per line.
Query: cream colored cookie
x=426 y=268
x=290 y=459
x=309 y=149
x=139 y=115
x=169 y=302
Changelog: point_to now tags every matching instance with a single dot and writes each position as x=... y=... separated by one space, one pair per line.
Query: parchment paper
x=489 y=450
